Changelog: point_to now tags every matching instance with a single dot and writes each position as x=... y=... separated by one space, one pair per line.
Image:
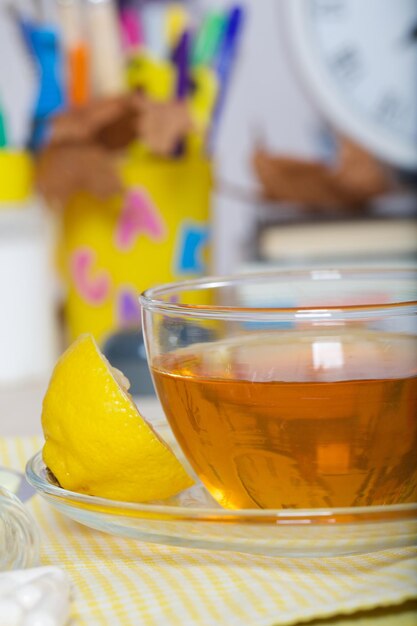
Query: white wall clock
x=359 y=58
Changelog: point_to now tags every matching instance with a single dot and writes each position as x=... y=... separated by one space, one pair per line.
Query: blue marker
x=43 y=45
x=225 y=60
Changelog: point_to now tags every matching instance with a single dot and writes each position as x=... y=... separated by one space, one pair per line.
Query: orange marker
x=71 y=17
x=78 y=75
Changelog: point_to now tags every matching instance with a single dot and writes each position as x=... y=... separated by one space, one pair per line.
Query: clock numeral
x=346 y=62
x=389 y=108
x=329 y=8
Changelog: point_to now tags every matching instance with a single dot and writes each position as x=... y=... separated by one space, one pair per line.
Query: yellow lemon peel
x=96 y=441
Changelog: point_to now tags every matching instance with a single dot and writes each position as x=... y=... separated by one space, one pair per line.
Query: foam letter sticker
x=92 y=286
x=139 y=216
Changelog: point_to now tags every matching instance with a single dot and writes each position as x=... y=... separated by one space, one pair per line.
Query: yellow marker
x=176 y=22
x=156 y=78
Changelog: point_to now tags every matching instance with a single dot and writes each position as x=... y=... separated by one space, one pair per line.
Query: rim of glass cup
x=150 y=299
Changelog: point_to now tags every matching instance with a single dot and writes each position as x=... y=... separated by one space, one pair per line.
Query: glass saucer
x=193 y=519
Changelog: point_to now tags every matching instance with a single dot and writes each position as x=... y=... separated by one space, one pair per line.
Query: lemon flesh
x=96 y=442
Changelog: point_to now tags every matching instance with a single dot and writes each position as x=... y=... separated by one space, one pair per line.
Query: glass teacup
x=291 y=389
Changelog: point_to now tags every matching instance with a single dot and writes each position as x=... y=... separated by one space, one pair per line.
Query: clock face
x=360 y=59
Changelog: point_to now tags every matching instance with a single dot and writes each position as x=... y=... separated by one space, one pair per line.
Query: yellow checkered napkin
x=121 y=582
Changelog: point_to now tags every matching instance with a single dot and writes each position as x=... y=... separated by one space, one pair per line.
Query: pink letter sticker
x=139 y=215
x=94 y=287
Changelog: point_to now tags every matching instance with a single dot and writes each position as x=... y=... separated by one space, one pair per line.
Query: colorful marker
x=76 y=51
x=3 y=134
x=176 y=22
x=44 y=45
x=206 y=43
x=131 y=28
x=105 y=47
x=181 y=58
x=225 y=61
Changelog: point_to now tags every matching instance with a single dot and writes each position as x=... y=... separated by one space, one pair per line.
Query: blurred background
x=146 y=141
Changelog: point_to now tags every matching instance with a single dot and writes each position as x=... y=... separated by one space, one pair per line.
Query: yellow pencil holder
x=157 y=231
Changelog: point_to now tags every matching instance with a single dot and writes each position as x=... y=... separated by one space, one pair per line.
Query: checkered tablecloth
x=123 y=582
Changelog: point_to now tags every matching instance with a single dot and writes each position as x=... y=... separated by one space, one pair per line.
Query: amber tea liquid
x=297 y=419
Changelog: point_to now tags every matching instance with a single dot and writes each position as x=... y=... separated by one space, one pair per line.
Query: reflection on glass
x=327 y=355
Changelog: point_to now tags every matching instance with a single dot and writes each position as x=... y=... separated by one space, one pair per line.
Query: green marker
x=208 y=39
x=3 y=135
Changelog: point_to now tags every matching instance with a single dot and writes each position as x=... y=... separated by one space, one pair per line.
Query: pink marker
x=132 y=31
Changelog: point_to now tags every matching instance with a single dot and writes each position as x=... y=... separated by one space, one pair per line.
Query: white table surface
x=21 y=407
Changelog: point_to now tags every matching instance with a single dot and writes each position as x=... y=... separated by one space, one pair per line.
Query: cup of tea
x=291 y=389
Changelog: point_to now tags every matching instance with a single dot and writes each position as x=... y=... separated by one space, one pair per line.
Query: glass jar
x=19 y=540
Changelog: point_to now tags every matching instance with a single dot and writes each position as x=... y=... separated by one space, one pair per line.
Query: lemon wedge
x=96 y=442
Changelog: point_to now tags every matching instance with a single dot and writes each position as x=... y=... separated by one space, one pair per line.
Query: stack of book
x=351 y=242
